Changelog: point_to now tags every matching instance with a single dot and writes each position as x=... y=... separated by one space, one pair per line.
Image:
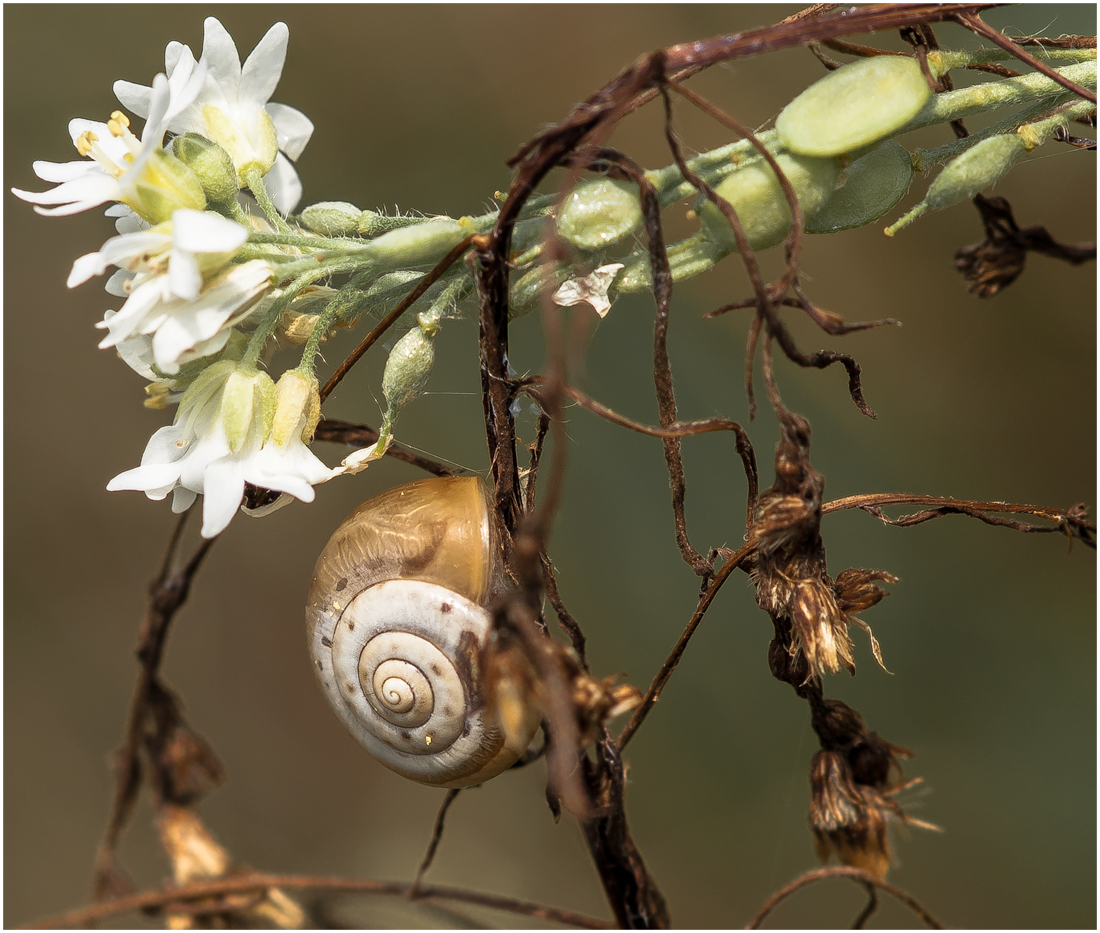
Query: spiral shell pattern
x=397 y=654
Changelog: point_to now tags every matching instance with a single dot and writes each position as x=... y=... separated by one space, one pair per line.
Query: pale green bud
x=756 y=195
x=332 y=218
x=297 y=408
x=408 y=368
x=165 y=186
x=871 y=186
x=854 y=106
x=248 y=407
x=974 y=170
x=372 y=224
x=600 y=212
x=260 y=149
x=410 y=246
x=211 y=165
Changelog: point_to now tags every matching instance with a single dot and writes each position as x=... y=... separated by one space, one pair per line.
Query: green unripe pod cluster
x=872 y=185
x=854 y=106
x=599 y=212
x=756 y=195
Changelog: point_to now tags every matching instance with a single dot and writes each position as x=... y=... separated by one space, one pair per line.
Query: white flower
x=184 y=329
x=221 y=439
x=122 y=168
x=233 y=107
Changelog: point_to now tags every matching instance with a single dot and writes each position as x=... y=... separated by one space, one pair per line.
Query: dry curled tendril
x=855 y=774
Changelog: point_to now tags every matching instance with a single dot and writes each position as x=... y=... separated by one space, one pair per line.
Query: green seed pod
x=761 y=206
x=854 y=106
x=408 y=368
x=974 y=170
x=211 y=165
x=410 y=246
x=872 y=185
x=599 y=212
x=332 y=218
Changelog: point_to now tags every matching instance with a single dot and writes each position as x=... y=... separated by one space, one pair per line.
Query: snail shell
x=396 y=621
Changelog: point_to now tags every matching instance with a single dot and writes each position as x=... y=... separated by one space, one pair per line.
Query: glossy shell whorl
x=396 y=620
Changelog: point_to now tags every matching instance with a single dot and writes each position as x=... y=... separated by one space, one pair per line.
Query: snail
x=396 y=620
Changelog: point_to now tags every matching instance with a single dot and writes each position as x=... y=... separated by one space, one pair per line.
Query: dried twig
x=842 y=871
x=174 y=900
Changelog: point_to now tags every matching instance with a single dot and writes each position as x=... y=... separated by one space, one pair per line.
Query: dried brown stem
x=975 y=23
x=680 y=429
x=361 y=435
x=390 y=319
x=843 y=871
x=168 y=592
x=653 y=694
x=433 y=843
x=1071 y=522
x=175 y=899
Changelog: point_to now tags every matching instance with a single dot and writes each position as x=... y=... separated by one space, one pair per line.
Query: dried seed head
x=810 y=612
x=850 y=815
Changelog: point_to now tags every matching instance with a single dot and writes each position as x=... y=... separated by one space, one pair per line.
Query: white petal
x=220 y=54
x=63 y=171
x=292 y=127
x=184 y=277
x=85 y=267
x=134 y=97
x=182 y=499
x=206 y=232
x=222 y=494
x=283 y=185
x=264 y=67
x=155 y=480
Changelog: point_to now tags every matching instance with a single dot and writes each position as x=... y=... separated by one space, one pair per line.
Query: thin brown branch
x=683 y=429
x=975 y=23
x=843 y=871
x=433 y=843
x=175 y=899
x=653 y=694
x=390 y=319
x=168 y=592
x=1071 y=522
x=361 y=435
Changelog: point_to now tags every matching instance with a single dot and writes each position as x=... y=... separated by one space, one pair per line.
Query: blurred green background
x=989 y=634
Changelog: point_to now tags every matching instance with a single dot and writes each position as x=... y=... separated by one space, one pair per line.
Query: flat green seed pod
x=599 y=212
x=974 y=170
x=871 y=186
x=757 y=196
x=853 y=106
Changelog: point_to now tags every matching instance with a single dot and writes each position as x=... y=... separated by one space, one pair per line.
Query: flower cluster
x=192 y=294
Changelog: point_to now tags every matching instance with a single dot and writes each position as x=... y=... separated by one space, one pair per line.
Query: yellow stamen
x=119 y=124
x=85 y=141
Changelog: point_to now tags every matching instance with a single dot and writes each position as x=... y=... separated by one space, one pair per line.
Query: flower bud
x=756 y=195
x=211 y=165
x=297 y=408
x=256 y=148
x=854 y=106
x=976 y=169
x=871 y=186
x=599 y=212
x=426 y=242
x=164 y=186
x=332 y=218
x=409 y=367
x=247 y=408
